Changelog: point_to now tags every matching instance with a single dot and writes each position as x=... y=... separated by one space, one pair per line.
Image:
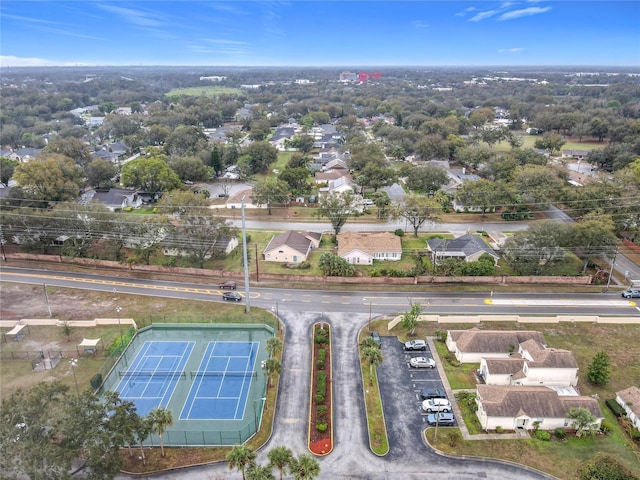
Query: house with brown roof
x=534 y=364
x=291 y=246
x=362 y=248
x=629 y=399
x=471 y=346
x=528 y=407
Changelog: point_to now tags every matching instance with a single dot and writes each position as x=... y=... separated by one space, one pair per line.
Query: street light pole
x=74 y=362
x=118 y=310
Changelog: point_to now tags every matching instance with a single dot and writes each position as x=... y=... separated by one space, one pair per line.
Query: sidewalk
x=456 y=410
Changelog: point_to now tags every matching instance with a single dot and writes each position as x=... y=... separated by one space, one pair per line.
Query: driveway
x=351 y=458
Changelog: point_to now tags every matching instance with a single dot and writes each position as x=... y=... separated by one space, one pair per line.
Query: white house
x=526 y=408
x=471 y=346
x=534 y=364
x=362 y=248
x=291 y=246
x=629 y=399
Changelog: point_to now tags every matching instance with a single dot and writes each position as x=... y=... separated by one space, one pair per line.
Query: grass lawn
x=209 y=91
x=461 y=376
x=570 y=144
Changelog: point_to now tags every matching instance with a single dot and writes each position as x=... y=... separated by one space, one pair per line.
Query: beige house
x=362 y=248
x=534 y=364
x=526 y=407
x=292 y=247
x=471 y=346
x=629 y=399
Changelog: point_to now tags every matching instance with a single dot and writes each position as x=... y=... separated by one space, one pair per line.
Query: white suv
x=436 y=405
x=631 y=293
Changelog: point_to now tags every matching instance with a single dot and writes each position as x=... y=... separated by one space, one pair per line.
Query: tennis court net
x=227 y=373
x=152 y=374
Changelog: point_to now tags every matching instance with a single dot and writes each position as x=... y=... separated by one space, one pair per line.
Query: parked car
x=232 y=296
x=422 y=362
x=230 y=284
x=376 y=337
x=631 y=293
x=368 y=201
x=436 y=405
x=430 y=392
x=441 y=419
x=415 y=345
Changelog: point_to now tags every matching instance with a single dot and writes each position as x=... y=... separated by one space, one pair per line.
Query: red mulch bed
x=321 y=443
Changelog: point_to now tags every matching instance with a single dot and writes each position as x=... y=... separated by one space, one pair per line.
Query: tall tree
x=280 y=457
x=189 y=168
x=305 y=467
x=337 y=207
x=70 y=147
x=296 y=178
x=272 y=366
x=151 y=175
x=417 y=210
x=594 y=236
x=261 y=155
x=486 y=195
x=532 y=251
x=240 y=457
x=374 y=357
x=259 y=472
x=160 y=419
x=598 y=370
x=7 y=167
x=427 y=178
x=583 y=421
x=50 y=178
x=270 y=191
x=100 y=172
x=273 y=346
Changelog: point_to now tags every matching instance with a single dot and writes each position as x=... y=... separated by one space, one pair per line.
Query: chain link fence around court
x=201 y=432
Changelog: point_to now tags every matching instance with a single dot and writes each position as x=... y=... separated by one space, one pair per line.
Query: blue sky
x=319 y=33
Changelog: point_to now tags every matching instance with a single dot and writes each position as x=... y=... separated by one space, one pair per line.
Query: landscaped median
x=378 y=440
x=320 y=437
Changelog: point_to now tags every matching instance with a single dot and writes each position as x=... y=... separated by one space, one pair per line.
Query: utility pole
x=611 y=270
x=246 y=262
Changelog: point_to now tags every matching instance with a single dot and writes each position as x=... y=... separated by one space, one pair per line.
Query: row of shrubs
x=321 y=337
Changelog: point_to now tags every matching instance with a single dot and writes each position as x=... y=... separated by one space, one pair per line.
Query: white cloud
x=13 y=61
x=419 y=24
x=524 y=12
x=510 y=50
x=483 y=15
x=465 y=11
x=136 y=17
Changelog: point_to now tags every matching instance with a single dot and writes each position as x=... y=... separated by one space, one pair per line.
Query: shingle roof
x=534 y=402
x=468 y=244
x=631 y=396
x=294 y=240
x=549 y=357
x=492 y=341
x=369 y=243
x=501 y=366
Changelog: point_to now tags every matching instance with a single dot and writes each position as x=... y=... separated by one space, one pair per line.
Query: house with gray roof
x=25 y=154
x=471 y=346
x=529 y=407
x=467 y=247
x=291 y=246
x=629 y=399
x=114 y=198
x=533 y=364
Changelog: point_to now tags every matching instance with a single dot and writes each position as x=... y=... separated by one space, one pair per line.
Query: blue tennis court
x=222 y=382
x=153 y=375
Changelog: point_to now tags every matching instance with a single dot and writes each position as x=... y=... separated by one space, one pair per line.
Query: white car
x=436 y=405
x=422 y=362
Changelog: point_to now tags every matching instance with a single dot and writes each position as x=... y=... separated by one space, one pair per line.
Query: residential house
x=291 y=246
x=629 y=399
x=25 y=154
x=534 y=364
x=527 y=407
x=243 y=196
x=222 y=244
x=471 y=346
x=340 y=185
x=467 y=247
x=362 y=248
x=114 y=198
x=282 y=136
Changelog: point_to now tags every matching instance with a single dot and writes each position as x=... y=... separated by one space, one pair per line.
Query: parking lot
x=400 y=388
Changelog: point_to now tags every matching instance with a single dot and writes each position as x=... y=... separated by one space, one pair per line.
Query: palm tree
x=305 y=467
x=369 y=342
x=240 y=457
x=280 y=457
x=274 y=346
x=160 y=419
x=271 y=366
x=143 y=429
x=374 y=356
x=259 y=472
